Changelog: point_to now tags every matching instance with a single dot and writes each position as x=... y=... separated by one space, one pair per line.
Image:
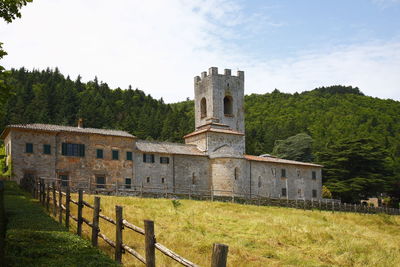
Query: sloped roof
x=282 y=161
x=214 y=130
x=61 y=128
x=168 y=148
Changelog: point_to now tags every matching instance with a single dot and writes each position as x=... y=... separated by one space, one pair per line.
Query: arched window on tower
x=203 y=107
x=228 y=109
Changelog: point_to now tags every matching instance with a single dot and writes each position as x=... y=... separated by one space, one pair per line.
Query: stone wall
x=178 y=175
x=266 y=180
x=36 y=163
x=80 y=170
x=214 y=87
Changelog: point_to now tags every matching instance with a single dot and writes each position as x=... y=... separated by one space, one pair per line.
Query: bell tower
x=219 y=100
x=219 y=113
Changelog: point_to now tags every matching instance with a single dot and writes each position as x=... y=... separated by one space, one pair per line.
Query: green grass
x=34 y=239
x=256 y=236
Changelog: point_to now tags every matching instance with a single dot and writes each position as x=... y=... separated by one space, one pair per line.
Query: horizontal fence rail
x=51 y=195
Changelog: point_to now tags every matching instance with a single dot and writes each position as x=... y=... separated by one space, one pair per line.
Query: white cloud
x=159 y=46
x=374 y=68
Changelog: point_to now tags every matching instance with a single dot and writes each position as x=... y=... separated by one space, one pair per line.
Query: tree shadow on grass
x=33 y=238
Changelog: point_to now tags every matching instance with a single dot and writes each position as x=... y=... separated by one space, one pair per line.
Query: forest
x=355 y=137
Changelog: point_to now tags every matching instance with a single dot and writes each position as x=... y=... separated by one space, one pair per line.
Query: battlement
x=213 y=71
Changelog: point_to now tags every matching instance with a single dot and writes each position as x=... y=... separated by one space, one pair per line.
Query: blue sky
x=159 y=46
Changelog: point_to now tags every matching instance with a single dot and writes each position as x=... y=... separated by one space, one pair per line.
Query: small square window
x=99 y=153
x=314 y=175
x=47 y=149
x=100 y=181
x=284 y=192
x=128 y=183
x=314 y=193
x=115 y=154
x=64 y=180
x=164 y=160
x=148 y=158
x=29 y=148
x=162 y=180
x=128 y=155
x=148 y=180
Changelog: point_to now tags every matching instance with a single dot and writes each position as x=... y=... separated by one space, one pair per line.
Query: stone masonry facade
x=212 y=158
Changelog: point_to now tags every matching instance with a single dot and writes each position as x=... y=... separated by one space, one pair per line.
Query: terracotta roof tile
x=61 y=128
x=282 y=161
x=168 y=148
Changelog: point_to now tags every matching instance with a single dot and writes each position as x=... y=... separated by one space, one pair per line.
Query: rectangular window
x=314 y=175
x=99 y=153
x=74 y=150
x=148 y=158
x=283 y=173
x=115 y=154
x=128 y=183
x=164 y=160
x=100 y=181
x=64 y=180
x=284 y=192
x=29 y=148
x=128 y=155
x=148 y=179
x=47 y=149
x=314 y=193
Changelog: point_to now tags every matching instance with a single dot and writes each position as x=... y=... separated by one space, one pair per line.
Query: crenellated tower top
x=219 y=100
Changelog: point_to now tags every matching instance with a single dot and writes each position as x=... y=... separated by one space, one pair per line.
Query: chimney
x=80 y=123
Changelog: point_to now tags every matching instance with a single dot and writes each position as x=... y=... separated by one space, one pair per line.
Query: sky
x=158 y=46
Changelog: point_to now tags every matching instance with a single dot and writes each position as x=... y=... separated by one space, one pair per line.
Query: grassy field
x=34 y=239
x=257 y=236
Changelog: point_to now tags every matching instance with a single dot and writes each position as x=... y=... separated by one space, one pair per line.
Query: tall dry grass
x=257 y=236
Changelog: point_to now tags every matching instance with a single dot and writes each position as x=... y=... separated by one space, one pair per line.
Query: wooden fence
x=231 y=196
x=52 y=195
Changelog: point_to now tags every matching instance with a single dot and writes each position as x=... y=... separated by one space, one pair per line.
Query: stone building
x=212 y=158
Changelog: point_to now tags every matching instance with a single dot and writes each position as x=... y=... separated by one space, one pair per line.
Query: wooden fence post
x=118 y=234
x=95 y=228
x=149 y=241
x=80 y=207
x=219 y=255
x=67 y=206
x=60 y=210
x=116 y=188
x=319 y=204
x=2 y=223
x=333 y=206
x=190 y=192
x=212 y=193
x=48 y=198
x=54 y=199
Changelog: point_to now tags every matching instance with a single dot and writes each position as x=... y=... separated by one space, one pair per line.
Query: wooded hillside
x=335 y=116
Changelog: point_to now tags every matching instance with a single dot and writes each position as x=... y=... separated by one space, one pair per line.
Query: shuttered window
x=29 y=148
x=99 y=153
x=115 y=154
x=128 y=155
x=148 y=158
x=164 y=160
x=74 y=150
x=314 y=175
x=47 y=149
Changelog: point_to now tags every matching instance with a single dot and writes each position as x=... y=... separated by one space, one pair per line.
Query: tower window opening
x=228 y=109
x=194 y=179
x=203 y=107
x=236 y=173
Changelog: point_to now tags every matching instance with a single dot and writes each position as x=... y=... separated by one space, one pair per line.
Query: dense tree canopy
x=329 y=115
x=297 y=147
